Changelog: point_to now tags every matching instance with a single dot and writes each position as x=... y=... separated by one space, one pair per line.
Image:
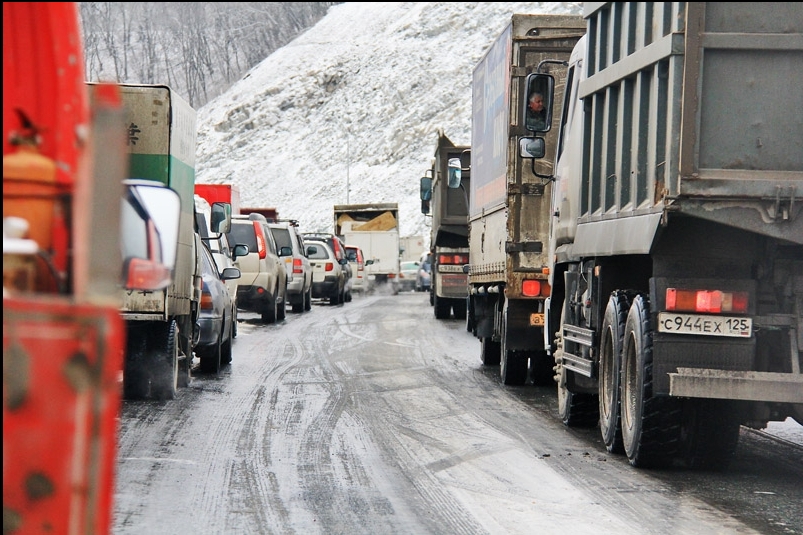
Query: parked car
x=339 y=247
x=407 y=274
x=328 y=273
x=217 y=309
x=357 y=261
x=216 y=239
x=294 y=255
x=263 y=281
x=423 y=278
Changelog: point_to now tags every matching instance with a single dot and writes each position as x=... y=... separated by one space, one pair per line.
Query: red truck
x=213 y=193
x=70 y=221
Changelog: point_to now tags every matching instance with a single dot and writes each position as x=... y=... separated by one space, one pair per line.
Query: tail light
x=391 y=275
x=457 y=259
x=711 y=301
x=206 y=298
x=535 y=288
x=360 y=266
x=297 y=266
x=329 y=266
x=262 y=248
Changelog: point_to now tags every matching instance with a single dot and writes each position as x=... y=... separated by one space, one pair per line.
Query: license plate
x=669 y=322
x=537 y=319
x=450 y=268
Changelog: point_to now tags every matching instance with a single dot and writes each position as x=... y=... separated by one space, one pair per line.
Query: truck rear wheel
x=443 y=308
x=163 y=346
x=650 y=423
x=513 y=370
x=490 y=351
x=610 y=358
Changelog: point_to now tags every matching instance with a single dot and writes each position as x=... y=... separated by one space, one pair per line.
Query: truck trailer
x=509 y=204
x=676 y=226
x=449 y=231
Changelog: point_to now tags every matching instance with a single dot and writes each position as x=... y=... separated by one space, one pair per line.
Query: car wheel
x=308 y=300
x=269 y=314
x=225 y=352
x=234 y=323
x=164 y=344
x=210 y=361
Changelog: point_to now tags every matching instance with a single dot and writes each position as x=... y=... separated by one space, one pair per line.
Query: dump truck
x=374 y=228
x=270 y=213
x=449 y=230
x=676 y=226
x=509 y=204
x=71 y=228
x=163 y=325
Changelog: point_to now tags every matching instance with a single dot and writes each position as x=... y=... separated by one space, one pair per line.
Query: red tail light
x=329 y=266
x=297 y=265
x=262 y=247
x=710 y=301
x=147 y=275
x=457 y=259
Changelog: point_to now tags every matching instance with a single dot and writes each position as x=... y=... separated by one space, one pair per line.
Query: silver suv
x=262 y=287
x=299 y=272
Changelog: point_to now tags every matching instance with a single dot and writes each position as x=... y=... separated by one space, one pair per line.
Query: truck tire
x=650 y=423
x=163 y=347
x=709 y=433
x=490 y=352
x=443 y=309
x=136 y=380
x=610 y=359
x=542 y=369
x=513 y=369
x=575 y=409
x=459 y=308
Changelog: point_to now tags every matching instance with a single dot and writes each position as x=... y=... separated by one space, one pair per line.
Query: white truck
x=374 y=228
x=675 y=262
x=162 y=325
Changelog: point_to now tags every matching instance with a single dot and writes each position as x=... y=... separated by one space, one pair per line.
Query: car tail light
x=535 y=288
x=297 y=268
x=360 y=267
x=715 y=301
x=262 y=248
x=329 y=266
x=206 y=298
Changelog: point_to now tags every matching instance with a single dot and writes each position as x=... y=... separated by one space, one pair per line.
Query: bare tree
x=198 y=48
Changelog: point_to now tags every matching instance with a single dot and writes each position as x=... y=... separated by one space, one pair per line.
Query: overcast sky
x=355 y=101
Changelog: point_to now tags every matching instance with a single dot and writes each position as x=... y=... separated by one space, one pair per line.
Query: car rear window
x=321 y=253
x=282 y=237
x=243 y=234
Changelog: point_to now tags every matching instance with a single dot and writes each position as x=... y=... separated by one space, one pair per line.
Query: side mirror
x=240 y=250
x=149 y=220
x=537 y=107
x=285 y=251
x=426 y=188
x=369 y=262
x=532 y=147
x=230 y=273
x=221 y=217
x=455 y=173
